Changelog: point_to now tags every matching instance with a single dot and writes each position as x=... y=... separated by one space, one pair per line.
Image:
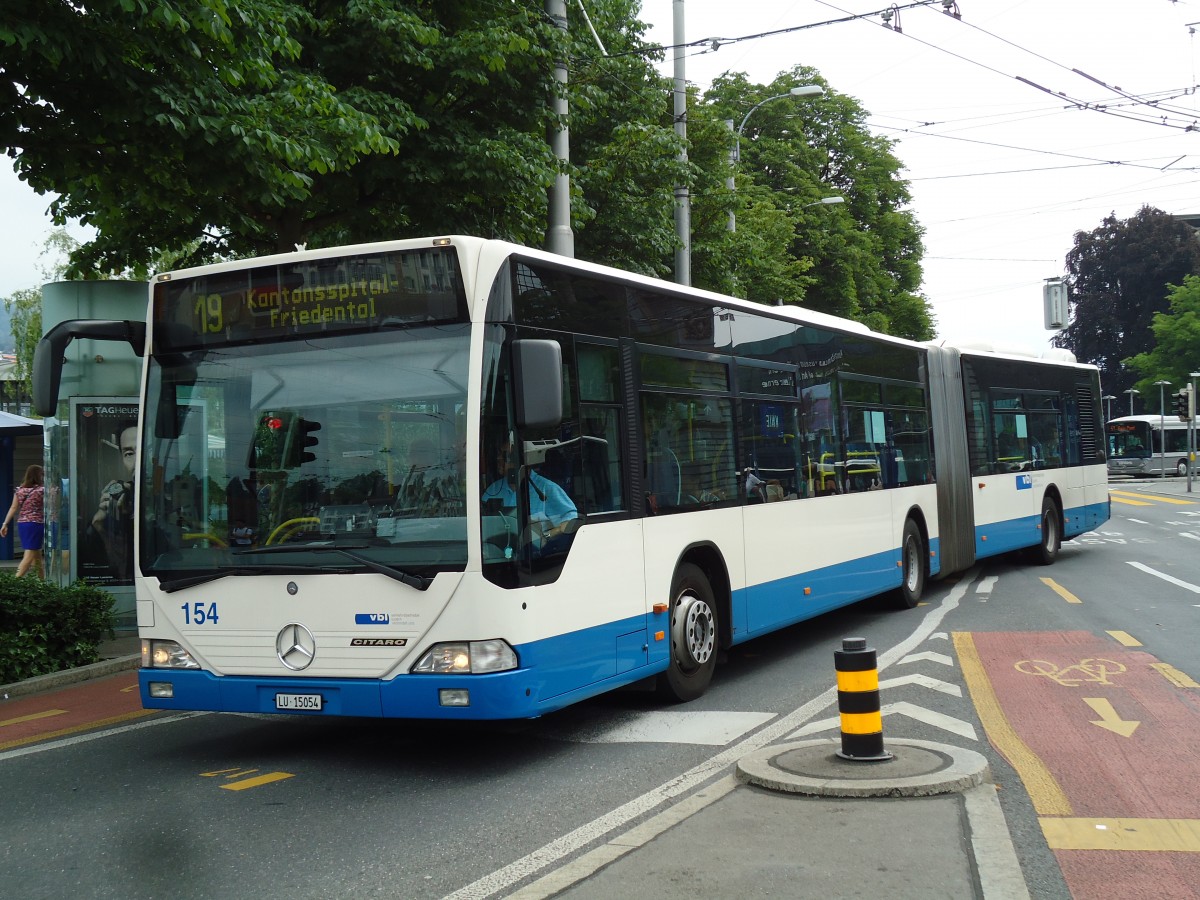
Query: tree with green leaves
x=210 y=130
x=1119 y=277
x=860 y=260
x=1176 y=351
x=159 y=121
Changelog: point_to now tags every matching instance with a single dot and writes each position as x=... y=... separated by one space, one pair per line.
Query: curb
x=69 y=676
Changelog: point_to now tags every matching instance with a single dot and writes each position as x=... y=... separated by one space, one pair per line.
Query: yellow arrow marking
x=32 y=716
x=1167 y=671
x=1060 y=590
x=1109 y=718
x=255 y=782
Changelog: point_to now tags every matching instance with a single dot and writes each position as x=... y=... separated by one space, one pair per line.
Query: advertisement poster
x=104 y=434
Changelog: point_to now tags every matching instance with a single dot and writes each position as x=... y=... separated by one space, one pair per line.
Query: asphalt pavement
x=793 y=820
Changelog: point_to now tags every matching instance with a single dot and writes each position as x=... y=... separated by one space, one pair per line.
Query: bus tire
x=1047 y=549
x=1181 y=467
x=693 y=631
x=912 y=560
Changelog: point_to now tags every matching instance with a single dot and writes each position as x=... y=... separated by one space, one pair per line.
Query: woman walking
x=27 y=508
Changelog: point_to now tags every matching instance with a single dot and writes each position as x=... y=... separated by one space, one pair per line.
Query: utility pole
x=683 y=203
x=559 y=237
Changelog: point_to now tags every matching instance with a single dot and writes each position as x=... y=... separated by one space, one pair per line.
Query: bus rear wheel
x=912 y=559
x=693 y=632
x=1181 y=467
x=1047 y=550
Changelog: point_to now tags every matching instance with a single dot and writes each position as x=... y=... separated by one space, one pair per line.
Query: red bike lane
x=1104 y=737
x=70 y=710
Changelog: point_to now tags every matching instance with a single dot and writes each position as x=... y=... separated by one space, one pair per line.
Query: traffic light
x=283 y=440
x=1181 y=405
x=299 y=442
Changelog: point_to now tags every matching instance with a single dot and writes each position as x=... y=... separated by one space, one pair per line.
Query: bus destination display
x=353 y=293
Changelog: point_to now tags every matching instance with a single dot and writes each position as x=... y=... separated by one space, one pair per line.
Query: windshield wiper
x=178 y=584
x=414 y=581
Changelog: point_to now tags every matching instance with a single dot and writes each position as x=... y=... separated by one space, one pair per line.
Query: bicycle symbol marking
x=1094 y=670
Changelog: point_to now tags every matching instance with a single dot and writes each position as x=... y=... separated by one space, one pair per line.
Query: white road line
x=933 y=684
x=931 y=717
x=986 y=584
x=686 y=782
x=96 y=735
x=1165 y=577
x=931 y=656
x=1139 y=521
x=1188 y=534
x=902 y=708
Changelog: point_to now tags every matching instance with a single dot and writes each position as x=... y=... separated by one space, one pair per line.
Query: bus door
x=1006 y=502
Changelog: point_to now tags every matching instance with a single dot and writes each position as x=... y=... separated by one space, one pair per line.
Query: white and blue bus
x=459 y=478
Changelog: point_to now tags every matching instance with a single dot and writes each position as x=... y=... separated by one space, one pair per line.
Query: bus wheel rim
x=692 y=631
x=1050 y=529
x=912 y=575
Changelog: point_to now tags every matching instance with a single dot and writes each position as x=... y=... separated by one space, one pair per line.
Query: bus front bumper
x=504 y=695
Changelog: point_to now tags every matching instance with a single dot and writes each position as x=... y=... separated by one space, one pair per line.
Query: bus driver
x=551 y=511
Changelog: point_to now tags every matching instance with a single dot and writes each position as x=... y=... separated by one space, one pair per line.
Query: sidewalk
x=797 y=821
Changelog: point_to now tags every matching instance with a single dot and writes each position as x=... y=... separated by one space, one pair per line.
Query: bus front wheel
x=1047 y=549
x=693 y=633
x=1181 y=467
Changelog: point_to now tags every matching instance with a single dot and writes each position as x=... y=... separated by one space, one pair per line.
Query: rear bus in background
x=459 y=478
x=1147 y=445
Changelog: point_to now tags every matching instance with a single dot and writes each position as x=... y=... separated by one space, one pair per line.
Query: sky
x=1002 y=173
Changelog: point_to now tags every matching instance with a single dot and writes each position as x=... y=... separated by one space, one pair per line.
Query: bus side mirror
x=537 y=372
x=48 y=356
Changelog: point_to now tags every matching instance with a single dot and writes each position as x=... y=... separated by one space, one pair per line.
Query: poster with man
x=104 y=434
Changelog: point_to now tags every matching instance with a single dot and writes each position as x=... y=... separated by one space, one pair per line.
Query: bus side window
x=599 y=486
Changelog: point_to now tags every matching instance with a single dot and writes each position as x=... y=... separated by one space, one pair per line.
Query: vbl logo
x=1024 y=482
x=372 y=619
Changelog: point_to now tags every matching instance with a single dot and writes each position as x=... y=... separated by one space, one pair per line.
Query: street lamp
x=1162 y=433
x=1108 y=398
x=801 y=90
x=825 y=201
x=1131 y=392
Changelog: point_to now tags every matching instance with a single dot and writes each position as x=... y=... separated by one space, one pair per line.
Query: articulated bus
x=459 y=478
x=1147 y=445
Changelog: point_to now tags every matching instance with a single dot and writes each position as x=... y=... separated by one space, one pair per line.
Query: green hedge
x=46 y=628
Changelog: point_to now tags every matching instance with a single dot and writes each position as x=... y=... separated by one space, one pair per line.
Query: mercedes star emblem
x=295 y=646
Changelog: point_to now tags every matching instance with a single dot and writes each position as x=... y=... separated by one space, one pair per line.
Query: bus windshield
x=341 y=452
x=1128 y=440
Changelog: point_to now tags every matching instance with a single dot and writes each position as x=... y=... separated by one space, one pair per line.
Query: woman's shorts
x=32 y=534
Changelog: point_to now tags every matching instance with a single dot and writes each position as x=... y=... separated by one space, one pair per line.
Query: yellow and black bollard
x=858 y=702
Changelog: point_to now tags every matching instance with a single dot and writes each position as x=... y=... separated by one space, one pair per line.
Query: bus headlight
x=166 y=655
x=466 y=658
